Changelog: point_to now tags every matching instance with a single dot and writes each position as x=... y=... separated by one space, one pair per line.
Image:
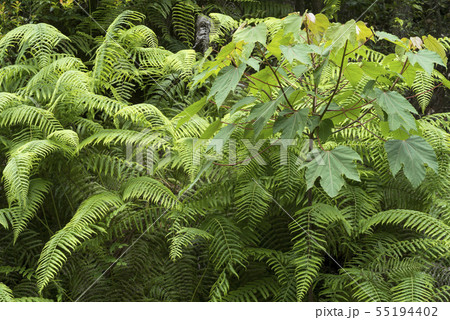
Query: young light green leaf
x=254 y=63
x=426 y=59
x=388 y=36
x=299 y=52
x=353 y=73
x=299 y=70
x=292 y=23
x=330 y=166
x=262 y=113
x=252 y=34
x=412 y=153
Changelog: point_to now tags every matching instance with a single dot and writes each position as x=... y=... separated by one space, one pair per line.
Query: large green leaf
x=226 y=81
x=426 y=59
x=292 y=23
x=252 y=34
x=353 y=73
x=397 y=108
x=331 y=166
x=412 y=153
x=292 y=125
x=338 y=34
x=299 y=52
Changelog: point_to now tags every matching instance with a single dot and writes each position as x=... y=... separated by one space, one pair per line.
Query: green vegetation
x=297 y=159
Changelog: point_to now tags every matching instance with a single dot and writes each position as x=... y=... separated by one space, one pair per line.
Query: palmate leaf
x=300 y=52
x=413 y=154
x=291 y=126
x=426 y=59
x=397 y=108
x=330 y=166
x=292 y=23
x=226 y=81
x=252 y=34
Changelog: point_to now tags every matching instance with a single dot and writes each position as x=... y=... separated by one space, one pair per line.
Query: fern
x=418 y=287
x=5 y=293
x=37 y=39
x=422 y=85
x=184 y=21
x=79 y=228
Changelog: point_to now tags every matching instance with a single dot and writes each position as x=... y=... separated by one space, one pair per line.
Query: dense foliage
x=287 y=163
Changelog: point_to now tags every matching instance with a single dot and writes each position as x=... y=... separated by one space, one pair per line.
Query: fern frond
x=367 y=285
x=139 y=36
x=226 y=246
x=6 y=294
x=415 y=220
x=9 y=100
x=20 y=216
x=416 y=288
x=31 y=116
x=39 y=40
x=79 y=228
x=42 y=84
x=252 y=203
x=185 y=237
x=16 y=176
x=423 y=83
x=183 y=19
x=257 y=290
x=148 y=189
x=182 y=61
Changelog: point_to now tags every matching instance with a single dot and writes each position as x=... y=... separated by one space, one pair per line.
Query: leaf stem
x=338 y=81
